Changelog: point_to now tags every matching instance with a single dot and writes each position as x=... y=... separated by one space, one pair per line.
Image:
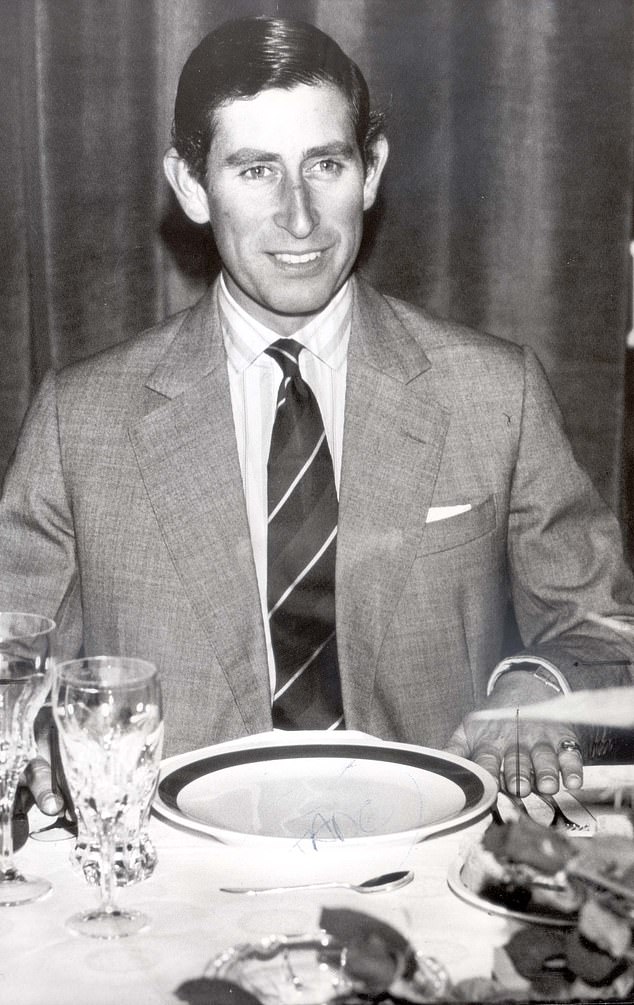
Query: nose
x=296 y=212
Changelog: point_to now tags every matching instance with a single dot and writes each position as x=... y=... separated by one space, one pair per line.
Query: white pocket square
x=444 y=512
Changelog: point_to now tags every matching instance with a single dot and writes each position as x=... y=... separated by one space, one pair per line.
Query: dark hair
x=248 y=55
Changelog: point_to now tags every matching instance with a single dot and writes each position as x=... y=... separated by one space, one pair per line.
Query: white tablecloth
x=43 y=963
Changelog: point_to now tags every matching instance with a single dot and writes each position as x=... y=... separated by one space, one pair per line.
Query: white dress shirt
x=254 y=379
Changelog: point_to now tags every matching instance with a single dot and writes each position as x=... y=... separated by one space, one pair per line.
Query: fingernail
x=548 y=784
x=51 y=804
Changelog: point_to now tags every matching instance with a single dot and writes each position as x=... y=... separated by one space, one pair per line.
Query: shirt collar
x=326 y=335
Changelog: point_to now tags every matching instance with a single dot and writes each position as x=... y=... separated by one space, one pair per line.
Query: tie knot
x=286 y=352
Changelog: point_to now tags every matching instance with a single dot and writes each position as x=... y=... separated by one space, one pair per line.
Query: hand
x=493 y=744
x=38 y=774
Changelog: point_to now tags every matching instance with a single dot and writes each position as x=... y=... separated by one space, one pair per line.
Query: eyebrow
x=247 y=155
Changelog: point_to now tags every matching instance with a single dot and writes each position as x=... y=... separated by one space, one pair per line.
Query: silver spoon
x=378 y=884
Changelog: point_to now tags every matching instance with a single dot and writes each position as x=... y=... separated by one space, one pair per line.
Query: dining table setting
x=302 y=867
x=194 y=919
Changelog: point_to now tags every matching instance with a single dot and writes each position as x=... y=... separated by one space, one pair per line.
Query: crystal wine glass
x=24 y=684
x=109 y=717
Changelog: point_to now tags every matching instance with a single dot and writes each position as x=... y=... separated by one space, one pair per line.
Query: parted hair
x=248 y=55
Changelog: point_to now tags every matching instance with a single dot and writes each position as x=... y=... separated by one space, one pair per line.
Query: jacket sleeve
x=572 y=590
x=38 y=567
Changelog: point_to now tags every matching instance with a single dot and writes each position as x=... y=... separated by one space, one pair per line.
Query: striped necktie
x=302 y=541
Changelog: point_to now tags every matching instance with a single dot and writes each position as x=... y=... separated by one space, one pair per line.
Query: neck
x=284 y=325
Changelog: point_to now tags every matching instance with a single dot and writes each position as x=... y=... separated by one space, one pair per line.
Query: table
x=42 y=963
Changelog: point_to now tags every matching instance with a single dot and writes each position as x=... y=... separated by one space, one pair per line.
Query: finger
x=570 y=763
x=39 y=778
x=518 y=771
x=545 y=768
x=458 y=743
x=489 y=758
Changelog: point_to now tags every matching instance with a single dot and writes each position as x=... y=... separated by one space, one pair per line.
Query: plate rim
x=462 y=891
x=258 y=746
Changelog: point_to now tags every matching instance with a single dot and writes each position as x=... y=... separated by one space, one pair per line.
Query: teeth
x=311 y=256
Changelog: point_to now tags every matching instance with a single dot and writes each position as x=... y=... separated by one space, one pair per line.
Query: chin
x=305 y=309
x=309 y=302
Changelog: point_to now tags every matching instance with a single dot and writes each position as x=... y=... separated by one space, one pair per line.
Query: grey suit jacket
x=123 y=517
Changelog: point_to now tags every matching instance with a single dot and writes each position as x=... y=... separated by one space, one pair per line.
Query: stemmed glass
x=109 y=716
x=24 y=684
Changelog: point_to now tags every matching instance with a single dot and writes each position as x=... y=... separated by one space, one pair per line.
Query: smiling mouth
x=289 y=259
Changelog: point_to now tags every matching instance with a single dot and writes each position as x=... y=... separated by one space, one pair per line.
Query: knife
x=610 y=706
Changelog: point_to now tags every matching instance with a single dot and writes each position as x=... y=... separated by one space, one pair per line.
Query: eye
x=328 y=166
x=256 y=172
x=325 y=167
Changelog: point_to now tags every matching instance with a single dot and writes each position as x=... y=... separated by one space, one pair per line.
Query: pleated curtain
x=507 y=203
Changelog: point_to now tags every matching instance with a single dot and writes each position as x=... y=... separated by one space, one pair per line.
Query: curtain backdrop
x=507 y=201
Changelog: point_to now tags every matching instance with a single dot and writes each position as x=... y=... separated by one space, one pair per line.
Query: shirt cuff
x=541 y=668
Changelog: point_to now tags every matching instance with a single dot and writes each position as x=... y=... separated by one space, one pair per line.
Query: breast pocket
x=457 y=530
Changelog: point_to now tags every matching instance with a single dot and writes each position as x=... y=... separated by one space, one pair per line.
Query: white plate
x=315 y=789
x=537 y=915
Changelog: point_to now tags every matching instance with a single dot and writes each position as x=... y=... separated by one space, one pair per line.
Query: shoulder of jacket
x=438 y=333
x=136 y=354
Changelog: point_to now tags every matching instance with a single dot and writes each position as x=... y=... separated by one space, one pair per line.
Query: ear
x=378 y=154
x=189 y=192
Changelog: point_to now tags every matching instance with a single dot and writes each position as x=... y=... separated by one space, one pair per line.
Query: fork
x=559 y=817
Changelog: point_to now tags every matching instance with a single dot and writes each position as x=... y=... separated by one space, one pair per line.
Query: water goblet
x=109 y=718
x=24 y=684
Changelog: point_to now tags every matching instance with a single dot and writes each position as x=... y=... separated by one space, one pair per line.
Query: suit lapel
x=186 y=452
x=393 y=439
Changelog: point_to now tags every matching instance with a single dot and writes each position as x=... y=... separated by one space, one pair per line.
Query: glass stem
x=107 y=881
x=7 y=868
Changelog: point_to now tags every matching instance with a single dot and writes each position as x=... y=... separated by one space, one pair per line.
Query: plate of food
x=524 y=870
x=514 y=887
x=578 y=897
x=319 y=789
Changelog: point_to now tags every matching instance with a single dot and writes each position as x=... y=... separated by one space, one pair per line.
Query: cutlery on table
x=377 y=884
x=602 y=883
x=615 y=708
x=496 y=816
x=518 y=803
x=560 y=819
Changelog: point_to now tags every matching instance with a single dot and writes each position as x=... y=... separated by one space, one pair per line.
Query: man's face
x=285 y=194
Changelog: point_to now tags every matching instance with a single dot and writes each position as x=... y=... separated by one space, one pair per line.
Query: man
x=138 y=511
